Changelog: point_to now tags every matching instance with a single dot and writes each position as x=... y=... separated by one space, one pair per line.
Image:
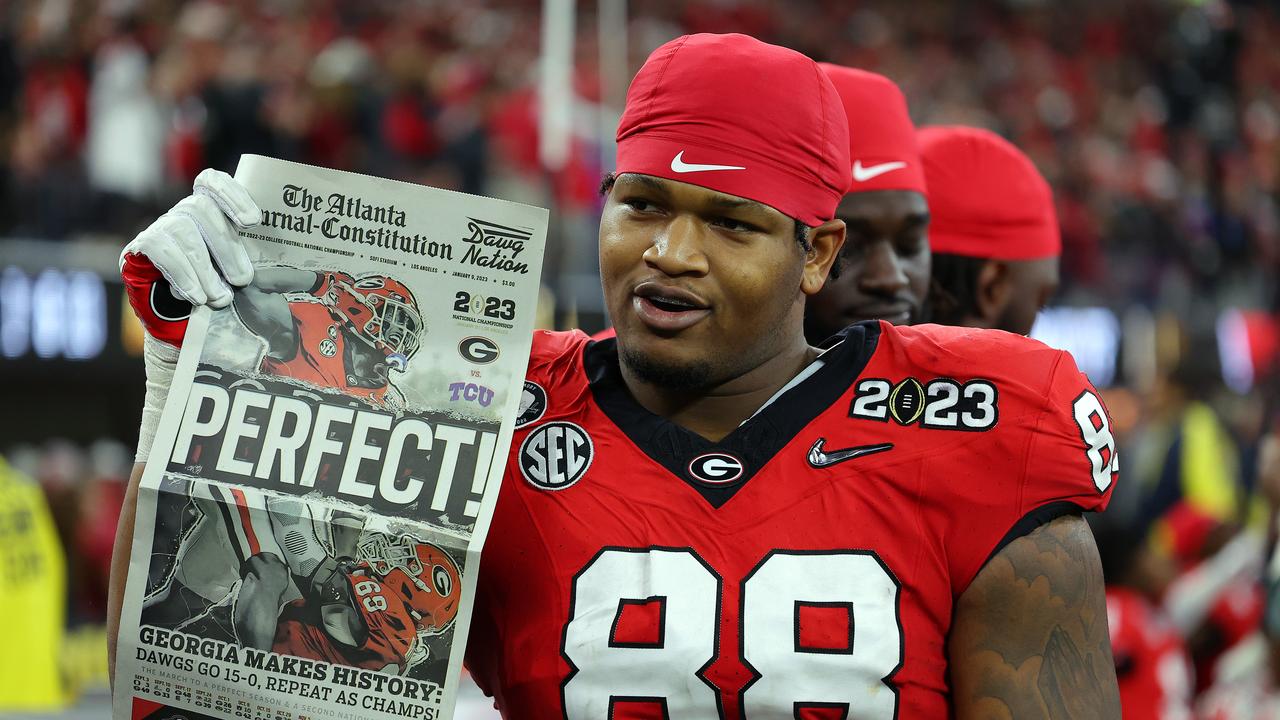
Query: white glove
x=196 y=246
x=191 y=255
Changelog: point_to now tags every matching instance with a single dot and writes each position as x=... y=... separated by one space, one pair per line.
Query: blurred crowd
x=1156 y=122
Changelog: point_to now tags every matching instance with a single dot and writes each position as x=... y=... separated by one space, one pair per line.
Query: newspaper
x=310 y=519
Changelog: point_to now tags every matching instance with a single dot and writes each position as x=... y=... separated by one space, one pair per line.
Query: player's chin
x=667 y=362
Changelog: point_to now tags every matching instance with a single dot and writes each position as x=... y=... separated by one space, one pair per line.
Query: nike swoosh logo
x=679 y=165
x=820 y=459
x=863 y=174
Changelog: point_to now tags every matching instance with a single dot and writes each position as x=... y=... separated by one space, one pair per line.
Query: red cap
x=882 y=139
x=738 y=116
x=986 y=198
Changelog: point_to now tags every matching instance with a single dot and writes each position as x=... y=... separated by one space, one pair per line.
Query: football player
x=374 y=607
x=330 y=329
x=377 y=613
x=710 y=518
x=883 y=271
x=327 y=329
x=234 y=549
x=994 y=235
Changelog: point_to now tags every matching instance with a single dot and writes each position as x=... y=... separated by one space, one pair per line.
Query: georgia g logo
x=716 y=468
x=478 y=350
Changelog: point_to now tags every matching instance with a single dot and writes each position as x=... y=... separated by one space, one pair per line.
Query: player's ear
x=992 y=291
x=825 y=242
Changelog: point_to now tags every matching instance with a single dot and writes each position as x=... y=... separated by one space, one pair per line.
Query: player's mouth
x=668 y=309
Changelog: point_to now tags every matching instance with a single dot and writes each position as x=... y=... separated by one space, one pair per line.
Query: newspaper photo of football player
x=331 y=329
x=334 y=437
x=276 y=573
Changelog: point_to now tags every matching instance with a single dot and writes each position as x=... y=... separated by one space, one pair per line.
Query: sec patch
x=556 y=455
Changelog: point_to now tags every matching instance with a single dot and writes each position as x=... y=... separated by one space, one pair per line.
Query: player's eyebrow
x=648 y=181
x=916 y=219
x=710 y=202
x=871 y=227
x=728 y=202
x=716 y=200
x=860 y=225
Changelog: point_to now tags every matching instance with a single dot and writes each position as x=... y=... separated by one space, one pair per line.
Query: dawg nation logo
x=495 y=246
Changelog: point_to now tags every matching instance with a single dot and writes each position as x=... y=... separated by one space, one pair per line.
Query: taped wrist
x=160 y=359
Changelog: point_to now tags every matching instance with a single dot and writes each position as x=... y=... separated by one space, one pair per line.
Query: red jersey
x=1152 y=665
x=301 y=633
x=807 y=564
x=320 y=356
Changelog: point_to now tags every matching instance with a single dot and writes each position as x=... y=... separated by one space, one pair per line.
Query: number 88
x=790 y=676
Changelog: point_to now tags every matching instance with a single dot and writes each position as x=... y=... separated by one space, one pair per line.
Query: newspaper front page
x=310 y=519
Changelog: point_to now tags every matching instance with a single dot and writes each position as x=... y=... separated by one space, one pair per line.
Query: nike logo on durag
x=863 y=174
x=820 y=459
x=679 y=165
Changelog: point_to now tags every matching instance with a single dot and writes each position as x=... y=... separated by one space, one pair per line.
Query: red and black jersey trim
x=1034 y=519
x=758 y=439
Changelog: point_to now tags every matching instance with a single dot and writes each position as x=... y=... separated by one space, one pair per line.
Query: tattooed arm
x=1029 y=639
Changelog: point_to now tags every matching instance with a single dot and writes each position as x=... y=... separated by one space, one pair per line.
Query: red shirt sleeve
x=1071 y=459
x=1061 y=460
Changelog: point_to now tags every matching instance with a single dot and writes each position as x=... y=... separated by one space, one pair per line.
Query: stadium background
x=1157 y=122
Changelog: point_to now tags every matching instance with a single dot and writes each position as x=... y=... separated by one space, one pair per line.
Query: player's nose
x=678 y=248
x=882 y=271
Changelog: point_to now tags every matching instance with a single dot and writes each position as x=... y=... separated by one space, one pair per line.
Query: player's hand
x=191 y=255
x=327 y=581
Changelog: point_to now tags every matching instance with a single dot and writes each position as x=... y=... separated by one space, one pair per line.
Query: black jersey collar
x=717 y=470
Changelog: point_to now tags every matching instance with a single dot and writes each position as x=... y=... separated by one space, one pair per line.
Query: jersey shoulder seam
x=1035 y=430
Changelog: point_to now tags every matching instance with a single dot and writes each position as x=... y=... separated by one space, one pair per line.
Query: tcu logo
x=470 y=392
x=555 y=455
x=716 y=468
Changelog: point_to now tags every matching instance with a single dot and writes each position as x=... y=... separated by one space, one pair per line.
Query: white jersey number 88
x=791 y=677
